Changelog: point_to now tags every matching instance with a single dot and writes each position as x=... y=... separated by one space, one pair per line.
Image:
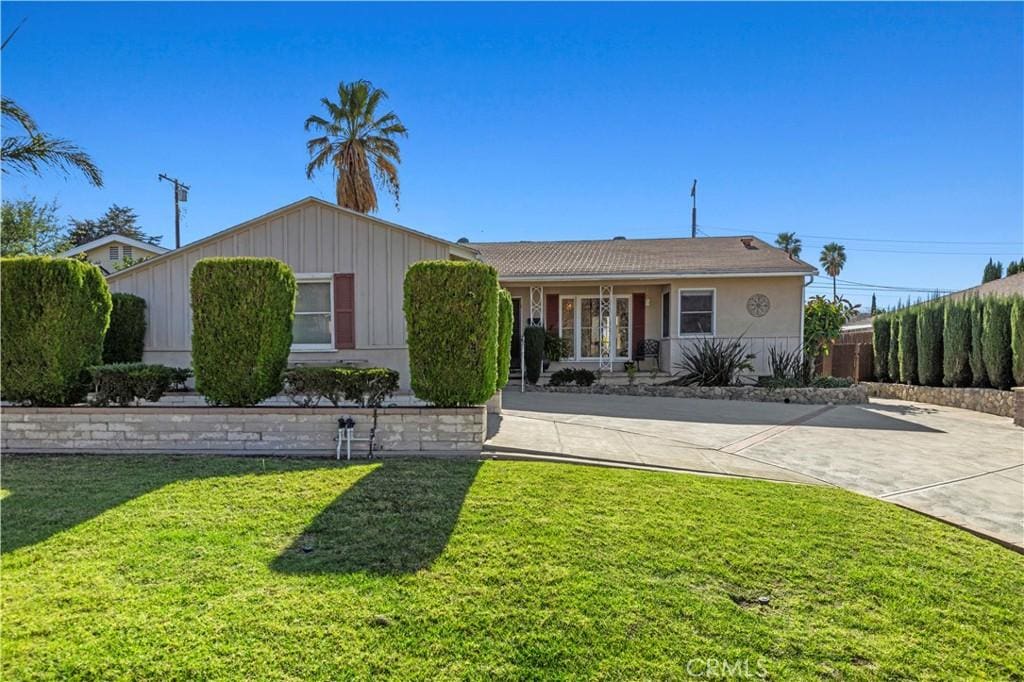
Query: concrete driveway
x=962 y=466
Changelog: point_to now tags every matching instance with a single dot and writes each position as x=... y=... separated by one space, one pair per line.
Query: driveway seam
x=949 y=482
x=772 y=431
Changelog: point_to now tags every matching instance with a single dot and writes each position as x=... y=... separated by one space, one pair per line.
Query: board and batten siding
x=310 y=238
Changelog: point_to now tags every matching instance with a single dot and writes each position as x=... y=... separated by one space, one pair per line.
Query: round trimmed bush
x=242 y=310
x=124 y=340
x=55 y=314
x=505 y=322
x=451 y=317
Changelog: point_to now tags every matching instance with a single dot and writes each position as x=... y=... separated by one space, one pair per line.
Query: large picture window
x=313 y=324
x=696 y=311
x=581 y=325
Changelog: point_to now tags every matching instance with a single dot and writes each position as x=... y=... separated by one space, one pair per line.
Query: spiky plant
x=359 y=144
x=713 y=362
x=35 y=150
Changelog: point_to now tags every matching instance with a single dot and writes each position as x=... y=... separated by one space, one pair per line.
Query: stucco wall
x=312 y=238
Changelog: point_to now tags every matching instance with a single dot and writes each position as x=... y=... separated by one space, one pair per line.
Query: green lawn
x=192 y=567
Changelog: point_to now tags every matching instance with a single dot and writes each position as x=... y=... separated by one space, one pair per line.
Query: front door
x=516 y=328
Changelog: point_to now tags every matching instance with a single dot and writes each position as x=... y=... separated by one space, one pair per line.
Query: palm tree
x=358 y=144
x=833 y=258
x=31 y=152
x=788 y=242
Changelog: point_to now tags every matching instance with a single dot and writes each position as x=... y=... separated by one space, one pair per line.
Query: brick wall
x=285 y=430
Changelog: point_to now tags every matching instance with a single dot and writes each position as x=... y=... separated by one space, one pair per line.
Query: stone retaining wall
x=261 y=430
x=989 y=400
x=1018 y=406
x=803 y=396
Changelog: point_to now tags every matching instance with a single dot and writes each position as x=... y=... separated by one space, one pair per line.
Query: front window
x=581 y=326
x=697 y=311
x=567 y=326
x=313 y=320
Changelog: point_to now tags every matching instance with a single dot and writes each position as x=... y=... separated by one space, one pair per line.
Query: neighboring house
x=351 y=267
x=617 y=300
x=107 y=251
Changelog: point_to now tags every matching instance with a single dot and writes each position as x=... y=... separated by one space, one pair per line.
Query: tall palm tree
x=31 y=152
x=358 y=144
x=833 y=258
x=790 y=243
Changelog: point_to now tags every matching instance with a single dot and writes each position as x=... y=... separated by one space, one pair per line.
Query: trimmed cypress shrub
x=451 y=314
x=979 y=375
x=995 y=343
x=504 y=337
x=131 y=382
x=894 y=348
x=956 y=344
x=929 y=344
x=242 y=310
x=908 y=348
x=1017 y=339
x=124 y=340
x=880 y=345
x=533 y=338
x=55 y=313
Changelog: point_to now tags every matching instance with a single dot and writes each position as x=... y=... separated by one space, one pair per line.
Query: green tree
x=30 y=227
x=34 y=150
x=833 y=259
x=993 y=271
x=119 y=220
x=1014 y=267
x=790 y=243
x=874 y=305
x=358 y=144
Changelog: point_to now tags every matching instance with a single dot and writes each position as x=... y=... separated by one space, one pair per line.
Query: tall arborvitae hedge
x=956 y=344
x=979 y=375
x=1017 y=339
x=908 y=347
x=995 y=343
x=894 y=348
x=929 y=344
x=505 y=322
x=880 y=345
x=124 y=340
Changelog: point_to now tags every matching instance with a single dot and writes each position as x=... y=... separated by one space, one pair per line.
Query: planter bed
x=228 y=430
x=852 y=395
x=988 y=400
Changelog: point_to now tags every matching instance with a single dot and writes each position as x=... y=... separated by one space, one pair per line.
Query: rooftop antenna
x=180 y=194
x=693 y=211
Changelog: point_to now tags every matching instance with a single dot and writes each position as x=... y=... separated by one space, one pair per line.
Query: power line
x=869 y=239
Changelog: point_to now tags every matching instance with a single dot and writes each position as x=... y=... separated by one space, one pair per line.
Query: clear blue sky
x=900 y=122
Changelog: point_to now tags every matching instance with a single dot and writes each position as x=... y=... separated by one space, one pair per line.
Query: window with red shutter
x=344 y=311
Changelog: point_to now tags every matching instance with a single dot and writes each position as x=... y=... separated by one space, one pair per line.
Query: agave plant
x=713 y=362
x=789 y=367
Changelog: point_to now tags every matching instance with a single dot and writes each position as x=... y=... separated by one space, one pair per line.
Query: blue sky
x=852 y=122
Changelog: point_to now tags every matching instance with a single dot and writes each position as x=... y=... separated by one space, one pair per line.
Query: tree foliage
x=505 y=322
x=881 y=331
x=790 y=243
x=823 y=323
x=956 y=344
x=119 y=220
x=359 y=144
x=124 y=341
x=979 y=375
x=33 y=151
x=30 y=227
x=996 y=346
x=908 y=347
x=833 y=260
x=993 y=271
x=929 y=344
x=1017 y=339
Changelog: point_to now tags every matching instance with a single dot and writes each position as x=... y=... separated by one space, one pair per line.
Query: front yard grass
x=199 y=567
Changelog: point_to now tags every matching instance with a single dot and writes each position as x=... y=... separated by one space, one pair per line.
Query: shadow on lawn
x=397 y=519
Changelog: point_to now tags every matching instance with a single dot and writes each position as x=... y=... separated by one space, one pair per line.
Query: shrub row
x=569 y=375
x=364 y=386
x=128 y=383
x=124 y=339
x=972 y=342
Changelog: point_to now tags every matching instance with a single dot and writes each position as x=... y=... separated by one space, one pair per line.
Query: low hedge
x=127 y=383
x=929 y=344
x=451 y=317
x=908 y=347
x=505 y=322
x=569 y=375
x=124 y=339
x=55 y=314
x=364 y=386
x=956 y=344
x=242 y=310
x=881 y=331
x=995 y=343
x=1017 y=339
x=979 y=375
x=534 y=339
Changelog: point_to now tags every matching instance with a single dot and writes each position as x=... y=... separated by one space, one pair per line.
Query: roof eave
x=598 y=276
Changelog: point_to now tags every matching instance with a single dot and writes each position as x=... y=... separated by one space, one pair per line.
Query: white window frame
x=714 y=311
x=316 y=278
x=577 y=331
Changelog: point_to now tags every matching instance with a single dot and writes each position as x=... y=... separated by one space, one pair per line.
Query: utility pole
x=693 y=211
x=180 y=194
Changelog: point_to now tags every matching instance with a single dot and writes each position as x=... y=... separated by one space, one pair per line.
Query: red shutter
x=551 y=313
x=639 y=321
x=344 y=311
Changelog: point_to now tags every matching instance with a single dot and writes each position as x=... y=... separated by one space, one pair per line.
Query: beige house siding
x=101 y=255
x=312 y=238
x=780 y=327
